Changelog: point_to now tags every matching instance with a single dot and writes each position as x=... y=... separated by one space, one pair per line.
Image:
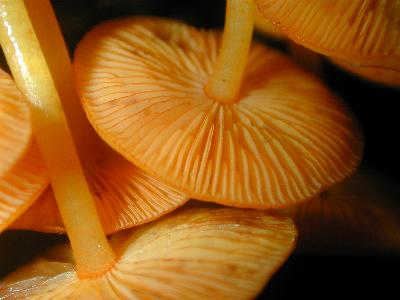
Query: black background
x=311 y=277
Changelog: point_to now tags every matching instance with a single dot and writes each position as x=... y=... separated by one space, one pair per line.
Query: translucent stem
x=224 y=84
x=36 y=53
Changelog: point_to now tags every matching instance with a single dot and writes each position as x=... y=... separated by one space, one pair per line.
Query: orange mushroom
x=156 y=92
x=125 y=196
x=38 y=59
x=197 y=252
x=22 y=176
x=365 y=32
x=359 y=215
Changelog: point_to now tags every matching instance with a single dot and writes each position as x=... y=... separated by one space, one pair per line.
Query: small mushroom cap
x=22 y=177
x=197 y=252
x=125 y=196
x=366 y=32
x=284 y=140
x=358 y=216
x=377 y=75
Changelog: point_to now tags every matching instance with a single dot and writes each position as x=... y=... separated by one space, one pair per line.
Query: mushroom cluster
x=154 y=112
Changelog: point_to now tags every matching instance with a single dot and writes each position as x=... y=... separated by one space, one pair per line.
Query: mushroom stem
x=36 y=53
x=224 y=84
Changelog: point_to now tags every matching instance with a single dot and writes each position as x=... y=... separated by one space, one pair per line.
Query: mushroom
x=156 y=92
x=125 y=196
x=364 y=32
x=196 y=252
x=199 y=245
x=22 y=176
x=358 y=216
x=42 y=71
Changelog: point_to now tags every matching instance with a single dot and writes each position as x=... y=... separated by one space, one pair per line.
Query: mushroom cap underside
x=194 y=253
x=125 y=196
x=141 y=81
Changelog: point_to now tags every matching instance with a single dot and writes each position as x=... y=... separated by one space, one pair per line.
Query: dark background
x=308 y=276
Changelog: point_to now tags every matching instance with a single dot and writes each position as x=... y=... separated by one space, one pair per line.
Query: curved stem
x=36 y=53
x=224 y=84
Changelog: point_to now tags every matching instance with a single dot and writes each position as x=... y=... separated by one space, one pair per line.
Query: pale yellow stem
x=44 y=78
x=225 y=82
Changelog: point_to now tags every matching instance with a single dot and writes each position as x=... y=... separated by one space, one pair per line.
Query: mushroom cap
x=125 y=196
x=358 y=216
x=366 y=32
x=286 y=138
x=22 y=177
x=377 y=75
x=15 y=127
x=196 y=253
